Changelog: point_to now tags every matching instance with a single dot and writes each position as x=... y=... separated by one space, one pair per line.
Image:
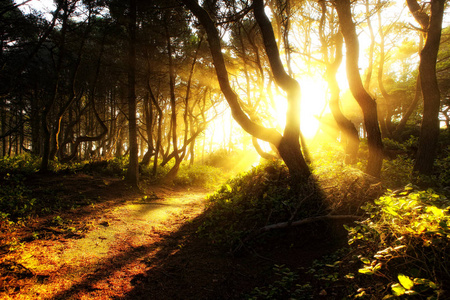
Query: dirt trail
x=102 y=263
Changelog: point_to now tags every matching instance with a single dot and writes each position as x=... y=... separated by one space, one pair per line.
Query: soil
x=128 y=244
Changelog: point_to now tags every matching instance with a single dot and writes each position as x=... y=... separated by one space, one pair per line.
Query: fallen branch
x=306 y=221
x=282 y=225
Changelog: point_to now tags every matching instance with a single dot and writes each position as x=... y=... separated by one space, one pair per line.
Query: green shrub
x=199 y=176
x=443 y=171
x=283 y=287
x=117 y=166
x=23 y=163
x=401 y=251
x=406 y=241
x=397 y=172
x=252 y=200
x=15 y=199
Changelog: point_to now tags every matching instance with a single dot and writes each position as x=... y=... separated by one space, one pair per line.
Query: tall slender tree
x=133 y=165
x=365 y=101
x=429 y=133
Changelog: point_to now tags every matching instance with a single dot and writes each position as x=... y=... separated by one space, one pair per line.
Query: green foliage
x=15 y=199
x=346 y=187
x=250 y=200
x=443 y=174
x=282 y=287
x=406 y=240
x=24 y=163
x=400 y=251
x=397 y=172
x=70 y=167
x=117 y=165
x=198 y=175
x=223 y=159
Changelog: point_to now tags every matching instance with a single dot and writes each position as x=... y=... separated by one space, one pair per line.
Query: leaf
x=350 y=276
x=436 y=211
x=391 y=212
x=366 y=271
x=377 y=267
x=365 y=260
x=398 y=290
x=405 y=281
x=427 y=282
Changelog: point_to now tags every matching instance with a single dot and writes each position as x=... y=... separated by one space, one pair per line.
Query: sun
x=313 y=105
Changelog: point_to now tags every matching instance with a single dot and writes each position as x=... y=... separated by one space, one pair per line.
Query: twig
x=306 y=221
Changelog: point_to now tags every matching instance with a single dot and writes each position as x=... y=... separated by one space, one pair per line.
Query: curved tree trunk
x=287 y=144
x=346 y=126
x=417 y=96
x=430 y=90
x=148 y=115
x=46 y=138
x=365 y=101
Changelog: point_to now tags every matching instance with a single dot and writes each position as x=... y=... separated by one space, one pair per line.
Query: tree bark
x=430 y=90
x=371 y=47
x=287 y=144
x=365 y=101
x=133 y=166
x=348 y=129
x=46 y=133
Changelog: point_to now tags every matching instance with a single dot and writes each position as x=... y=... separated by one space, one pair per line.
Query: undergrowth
x=400 y=250
x=251 y=200
x=18 y=203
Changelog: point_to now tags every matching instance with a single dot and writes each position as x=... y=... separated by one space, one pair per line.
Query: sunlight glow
x=313 y=105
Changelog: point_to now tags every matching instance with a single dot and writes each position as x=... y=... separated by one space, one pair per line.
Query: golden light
x=313 y=105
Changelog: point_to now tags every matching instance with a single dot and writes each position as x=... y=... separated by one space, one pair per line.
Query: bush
x=406 y=242
x=252 y=200
x=226 y=160
x=397 y=172
x=199 y=176
x=15 y=199
x=23 y=163
x=401 y=250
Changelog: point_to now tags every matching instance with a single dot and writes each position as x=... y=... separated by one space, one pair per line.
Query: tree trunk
x=365 y=101
x=288 y=144
x=371 y=47
x=133 y=166
x=148 y=115
x=46 y=138
x=430 y=90
x=3 y=123
x=159 y=129
x=348 y=129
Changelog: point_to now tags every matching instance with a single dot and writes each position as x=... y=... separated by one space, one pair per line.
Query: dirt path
x=103 y=262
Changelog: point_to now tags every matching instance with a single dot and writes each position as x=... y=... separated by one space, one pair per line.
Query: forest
x=240 y=149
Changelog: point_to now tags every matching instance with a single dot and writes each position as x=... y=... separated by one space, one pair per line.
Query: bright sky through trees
x=44 y=6
x=308 y=68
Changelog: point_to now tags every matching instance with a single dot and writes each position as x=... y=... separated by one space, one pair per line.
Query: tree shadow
x=192 y=267
x=182 y=265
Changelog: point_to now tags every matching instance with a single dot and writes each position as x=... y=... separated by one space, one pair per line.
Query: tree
x=348 y=129
x=430 y=90
x=288 y=143
x=133 y=165
x=365 y=101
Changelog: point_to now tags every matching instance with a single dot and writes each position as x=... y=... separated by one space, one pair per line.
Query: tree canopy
x=159 y=80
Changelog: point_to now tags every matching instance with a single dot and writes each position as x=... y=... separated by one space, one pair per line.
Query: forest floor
x=128 y=244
